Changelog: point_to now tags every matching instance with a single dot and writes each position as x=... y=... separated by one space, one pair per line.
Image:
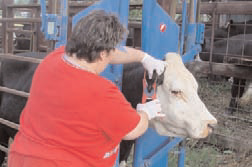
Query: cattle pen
x=221 y=84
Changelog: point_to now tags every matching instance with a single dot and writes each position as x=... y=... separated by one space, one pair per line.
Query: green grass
x=196 y=157
x=135 y=14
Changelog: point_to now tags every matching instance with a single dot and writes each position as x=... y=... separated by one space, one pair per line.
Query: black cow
x=232 y=28
x=23 y=40
x=235 y=47
x=235 y=31
x=18 y=75
x=15 y=75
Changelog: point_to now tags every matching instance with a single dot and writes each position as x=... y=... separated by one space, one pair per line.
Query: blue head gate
x=160 y=34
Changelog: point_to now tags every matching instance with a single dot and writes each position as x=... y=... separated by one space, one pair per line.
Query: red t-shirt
x=73 y=116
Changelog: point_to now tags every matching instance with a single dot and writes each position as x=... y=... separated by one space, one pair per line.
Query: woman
x=74 y=117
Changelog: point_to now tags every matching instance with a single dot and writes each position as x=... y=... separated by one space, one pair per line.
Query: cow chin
x=178 y=132
x=164 y=129
x=167 y=128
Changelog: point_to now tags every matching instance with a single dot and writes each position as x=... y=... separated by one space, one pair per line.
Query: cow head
x=186 y=114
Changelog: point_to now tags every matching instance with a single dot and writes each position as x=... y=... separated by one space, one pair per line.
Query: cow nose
x=211 y=125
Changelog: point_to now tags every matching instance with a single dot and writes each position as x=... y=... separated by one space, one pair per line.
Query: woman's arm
x=133 y=55
x=146 y=112
x=140 y=128
x=130 y=55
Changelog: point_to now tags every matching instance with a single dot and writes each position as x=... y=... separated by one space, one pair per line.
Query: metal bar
x=80 y=4
x=212 y=41
x=14 y=92
x=20 y=31
x=182 y=37
x=173 y=9
x=21 y=20
x=223 y=8
x=4 y=149
x=198 y=11
x=169 y=6
x=166 y=148
x=36 y=35
x=20 y=58
x=9 y=124
x=191 y=10
x=242 y=72
x=24 y=38
x=19 y=51
x=24 y=6
x=233 y=56
x=189 y=55
x=10 y=14
x=4 y=26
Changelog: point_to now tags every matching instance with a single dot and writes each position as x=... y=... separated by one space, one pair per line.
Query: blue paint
x=54 y=26
x=191 y=36
x=200 y=33
x=151 y=149
x=155 y=42
x=121 y=9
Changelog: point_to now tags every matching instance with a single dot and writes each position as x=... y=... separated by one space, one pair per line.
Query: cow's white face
x=186 y=114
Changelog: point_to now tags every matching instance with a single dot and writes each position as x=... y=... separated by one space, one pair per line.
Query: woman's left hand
x=151 y=64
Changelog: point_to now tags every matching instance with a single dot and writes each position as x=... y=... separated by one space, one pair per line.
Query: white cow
x=186 y=114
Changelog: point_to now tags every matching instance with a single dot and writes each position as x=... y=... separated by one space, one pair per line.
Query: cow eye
x=176 y=92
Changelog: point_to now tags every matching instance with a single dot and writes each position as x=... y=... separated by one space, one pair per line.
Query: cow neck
x=76 y=65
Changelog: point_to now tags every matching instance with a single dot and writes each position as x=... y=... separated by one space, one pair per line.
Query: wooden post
x=169 y=6
x=191 y=10
x=173 y=8
x=198 y=11
x=5 y=3
x=53 y=8
x=36 y=32
x=10 y=14
x=3 y=6
x=212 y=42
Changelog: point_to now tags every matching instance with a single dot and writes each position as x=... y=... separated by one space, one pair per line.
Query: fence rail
x=10 y=124
x=240 y=7
x=4 y=149
x=14 y=91
x=20 y=58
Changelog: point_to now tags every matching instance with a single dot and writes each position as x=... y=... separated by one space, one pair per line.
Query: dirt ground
x=234 y=148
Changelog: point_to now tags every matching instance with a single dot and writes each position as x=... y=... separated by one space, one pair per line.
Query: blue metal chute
x=152 y=149
x=194 y=33
x=121 y=9
x=160 y=34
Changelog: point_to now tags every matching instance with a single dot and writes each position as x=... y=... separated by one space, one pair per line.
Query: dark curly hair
x=96 y=32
